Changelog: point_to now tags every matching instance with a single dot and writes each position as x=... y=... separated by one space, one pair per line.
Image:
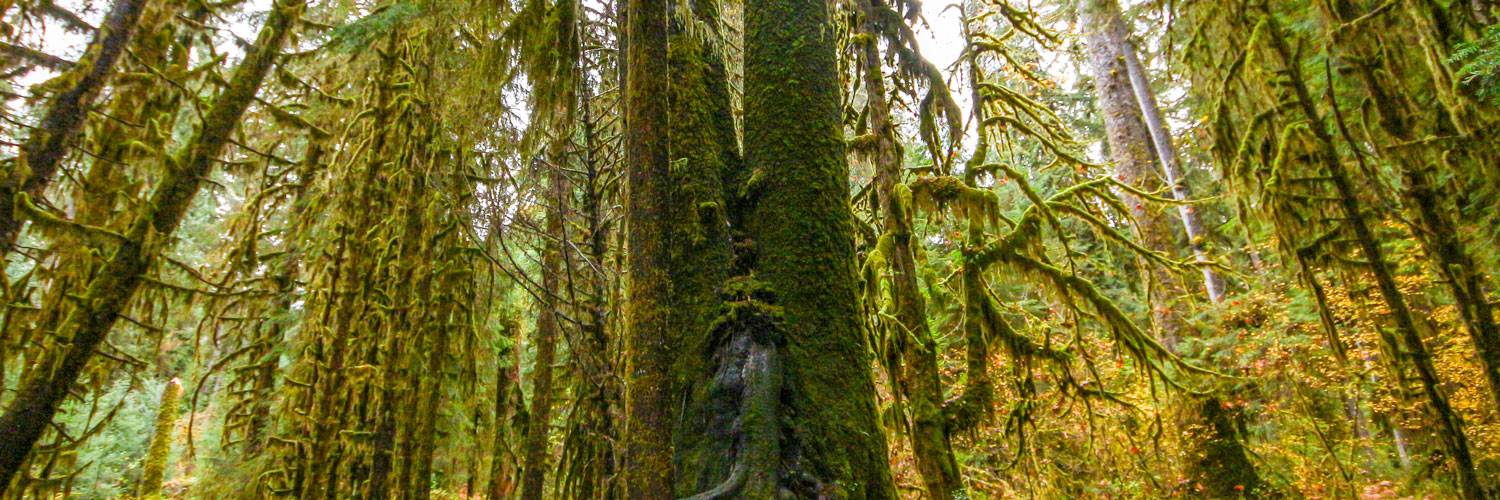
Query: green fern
x=1481 y=64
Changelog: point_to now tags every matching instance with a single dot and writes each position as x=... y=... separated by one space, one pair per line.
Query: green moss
x=702 y=146
x=155 y=466
x=803 y=228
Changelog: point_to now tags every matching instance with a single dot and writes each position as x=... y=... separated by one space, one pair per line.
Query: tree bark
x=647 y=454
x=702 y=146
x=1118 y=35
x=803 y=232
x=155 y=467
x=537 y=446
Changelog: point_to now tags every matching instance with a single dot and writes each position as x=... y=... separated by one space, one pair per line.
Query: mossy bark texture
x=802 y=227
x=155 y=468
x=701 y=146
x=647 y=452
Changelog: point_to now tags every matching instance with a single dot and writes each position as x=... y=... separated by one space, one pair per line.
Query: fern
x=1481 y=64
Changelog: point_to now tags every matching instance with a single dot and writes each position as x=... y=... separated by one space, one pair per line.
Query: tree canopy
x=710 y=249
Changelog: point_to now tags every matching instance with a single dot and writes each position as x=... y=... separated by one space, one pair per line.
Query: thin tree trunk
x=647 y=454
x=537 y=445
x=108 y=293
x=1118 y=35
x=155 y=467
x=918 y=379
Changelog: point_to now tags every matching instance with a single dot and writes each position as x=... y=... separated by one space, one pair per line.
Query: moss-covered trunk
x=802 y=228
x=155 y=467
x=918 y=378
x=52 y=139
x=647 y=452
x=701 y=146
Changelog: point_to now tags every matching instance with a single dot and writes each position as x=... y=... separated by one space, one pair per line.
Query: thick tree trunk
x=1130 y=148
x=803 y=231
x=647 y=454
x=702 y=146
x=50 y=142
x=108 y=293
x=919 y=380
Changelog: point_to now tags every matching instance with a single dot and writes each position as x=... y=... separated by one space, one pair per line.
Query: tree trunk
x=1118 y=35
x=155 y=467
x=919 y=381
x=50 y=142
x=647 y=453
x=803 y=233
x=107 y=294
x=702 y=146
x=537 y=446
x=1220 y=466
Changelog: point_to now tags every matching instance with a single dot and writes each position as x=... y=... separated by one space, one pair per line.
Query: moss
x=155 y=466
x=803 y=228
x=106 y=296
x=76 y=90
x=703 y=148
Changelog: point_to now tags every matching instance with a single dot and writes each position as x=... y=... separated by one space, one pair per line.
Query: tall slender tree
x=919 y=380
x=1218 y=462
x=647 y=454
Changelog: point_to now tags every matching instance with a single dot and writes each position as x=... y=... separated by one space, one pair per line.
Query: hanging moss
x=100 y=304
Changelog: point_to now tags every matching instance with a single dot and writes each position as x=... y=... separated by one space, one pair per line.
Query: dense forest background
x=749 y=249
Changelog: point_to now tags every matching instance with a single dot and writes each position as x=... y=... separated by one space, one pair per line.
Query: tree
x=1218 y=461
x=104 y=297
x=802 y=228
x=161 y=441
x=44 y=151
